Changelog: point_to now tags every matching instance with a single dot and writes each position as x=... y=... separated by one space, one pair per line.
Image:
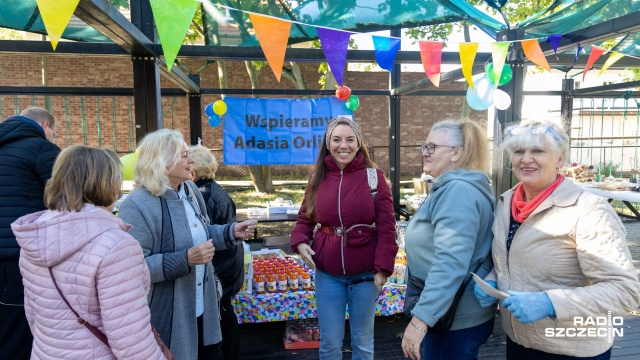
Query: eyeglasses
x=534 y=130
x=431 y=147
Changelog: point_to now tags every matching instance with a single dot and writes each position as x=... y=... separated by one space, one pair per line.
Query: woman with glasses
x=559 y=251
x=448 y=237
x=354 y=248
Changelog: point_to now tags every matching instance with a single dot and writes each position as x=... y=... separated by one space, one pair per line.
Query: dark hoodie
x=26 y=161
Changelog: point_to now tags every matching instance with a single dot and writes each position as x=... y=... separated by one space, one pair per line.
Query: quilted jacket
x=102 y=273
x=573 y=247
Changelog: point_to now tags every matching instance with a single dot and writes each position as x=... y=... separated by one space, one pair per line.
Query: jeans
x=333 y=293
x=462 y=344
x=516 y=351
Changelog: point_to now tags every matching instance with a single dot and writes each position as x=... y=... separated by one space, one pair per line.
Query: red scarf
x=521 y=209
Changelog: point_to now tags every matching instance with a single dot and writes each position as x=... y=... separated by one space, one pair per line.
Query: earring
x=453 y=160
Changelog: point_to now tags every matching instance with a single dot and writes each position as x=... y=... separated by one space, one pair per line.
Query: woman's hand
x=201 y=253
x=306 y=254
x=482 y=297
x=244 y=229
x=380 y=279
x=412 y=339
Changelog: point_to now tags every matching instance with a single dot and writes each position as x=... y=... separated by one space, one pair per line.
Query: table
x=258 y=308
x=627 y=197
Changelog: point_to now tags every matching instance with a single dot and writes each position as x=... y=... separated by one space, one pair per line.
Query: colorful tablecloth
x=302 y=305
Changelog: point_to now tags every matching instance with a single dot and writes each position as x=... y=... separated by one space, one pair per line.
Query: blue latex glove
x=484 y=299
x=529 y=307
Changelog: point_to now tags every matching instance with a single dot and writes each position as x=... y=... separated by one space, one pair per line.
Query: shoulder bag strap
x=99 y=334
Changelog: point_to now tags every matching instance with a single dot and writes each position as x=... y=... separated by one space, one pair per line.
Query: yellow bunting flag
x=467 y=57
x=499 y=52
x=55 y=16
x=615 y=56
x=532 y=50
x=273 y=35
x=172 y=21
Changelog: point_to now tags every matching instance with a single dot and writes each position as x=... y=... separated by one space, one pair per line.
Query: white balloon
x=501 y=100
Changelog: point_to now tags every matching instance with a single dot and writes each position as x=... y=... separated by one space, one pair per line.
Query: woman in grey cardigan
x=169 y=219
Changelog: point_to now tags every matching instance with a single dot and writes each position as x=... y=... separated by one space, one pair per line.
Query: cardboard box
x=301 y=345
x=302 y=334
x=279 y=207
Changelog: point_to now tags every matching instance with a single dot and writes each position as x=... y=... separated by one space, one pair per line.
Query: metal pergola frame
x=137 y=39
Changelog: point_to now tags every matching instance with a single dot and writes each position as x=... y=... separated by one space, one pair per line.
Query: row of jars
x=280 y=275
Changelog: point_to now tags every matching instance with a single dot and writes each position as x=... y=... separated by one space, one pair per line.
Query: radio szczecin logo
x=590 y=327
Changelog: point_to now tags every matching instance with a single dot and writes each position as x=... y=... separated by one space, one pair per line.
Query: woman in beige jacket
x=560 y=252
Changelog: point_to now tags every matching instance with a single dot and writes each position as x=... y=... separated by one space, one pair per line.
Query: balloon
x=208 y=109
x=353 y=102
x=481 y=98
x=343 y=93
x=128 y=164
x=505 y=76
x=214 y=120
x=501 y=100
x=219 y=107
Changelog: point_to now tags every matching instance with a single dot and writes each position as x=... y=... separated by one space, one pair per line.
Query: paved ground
x=264 y=341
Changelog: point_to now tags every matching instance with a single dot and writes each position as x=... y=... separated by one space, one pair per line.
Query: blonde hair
x=472 y=138
x=205 y=164
x=83 y=175
x=555 y=138
x=158 y=154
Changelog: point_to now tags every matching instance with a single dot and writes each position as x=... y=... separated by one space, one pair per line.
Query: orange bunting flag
x=55 y=16
x=615 y=56
x=467 y=57
x=532 y=50
x=273 y=35
x=431 y=56
x=596 y=52
x=499 y=52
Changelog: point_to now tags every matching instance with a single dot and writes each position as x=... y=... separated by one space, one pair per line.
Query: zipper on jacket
x=342 y=243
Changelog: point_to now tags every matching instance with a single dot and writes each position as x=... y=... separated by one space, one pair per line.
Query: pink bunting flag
x=431 y=56
x=596 y=52
x=335 y=44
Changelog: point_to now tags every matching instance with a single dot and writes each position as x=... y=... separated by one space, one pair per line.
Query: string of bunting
x=173 y=17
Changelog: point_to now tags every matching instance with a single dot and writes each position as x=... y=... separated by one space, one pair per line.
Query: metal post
x=195 y=112
x=503 y=178
x=566 y=106
x=146 y=75
x=394 y=131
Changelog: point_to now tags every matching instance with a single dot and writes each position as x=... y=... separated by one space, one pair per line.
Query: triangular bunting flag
x=575 y=59
x=467 y=56
x=532 y=50
x=596 y=52
x=172 y=21
x=554 y=40
x=335 y=44
x=431 y=56
x=273 y=35
x=55 y=16
x=499 y=52
x=615 y=56
x=386 y=49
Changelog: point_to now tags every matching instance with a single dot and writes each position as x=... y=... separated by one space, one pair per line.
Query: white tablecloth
x=630 y=196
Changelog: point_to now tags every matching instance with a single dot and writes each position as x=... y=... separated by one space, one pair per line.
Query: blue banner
x=277 y=131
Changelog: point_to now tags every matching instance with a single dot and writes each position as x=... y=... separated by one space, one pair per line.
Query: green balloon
x=505 y=76
x=352 y=102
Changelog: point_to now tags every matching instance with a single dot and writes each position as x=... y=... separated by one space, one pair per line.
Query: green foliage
x=9 y=34
x=607 y=169
x=246 y=198
x=438 y=32
x=120 y=4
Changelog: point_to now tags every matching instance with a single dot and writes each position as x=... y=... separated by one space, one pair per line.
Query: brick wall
x=108 y=121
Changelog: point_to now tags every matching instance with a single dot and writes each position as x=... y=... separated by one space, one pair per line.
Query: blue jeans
x=462 y=344
x=516 y=351
x=333 y=293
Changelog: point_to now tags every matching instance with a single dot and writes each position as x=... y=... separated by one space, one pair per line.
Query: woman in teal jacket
x=449 y=237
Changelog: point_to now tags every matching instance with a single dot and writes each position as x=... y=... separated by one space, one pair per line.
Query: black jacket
x=26 y=161
x=228 y=263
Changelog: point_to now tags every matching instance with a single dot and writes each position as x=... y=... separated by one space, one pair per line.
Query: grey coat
x=173 y=285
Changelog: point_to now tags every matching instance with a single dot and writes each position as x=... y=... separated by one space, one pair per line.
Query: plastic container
x=258 y=283
x=271 y=283
x=293 y=281
x=282 y=282
x=305 y=283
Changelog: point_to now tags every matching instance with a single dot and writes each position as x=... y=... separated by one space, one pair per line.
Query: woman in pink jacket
x=98 y=267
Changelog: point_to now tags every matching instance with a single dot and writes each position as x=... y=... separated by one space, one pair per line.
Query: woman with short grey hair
x=169 y=219
x=558 y=250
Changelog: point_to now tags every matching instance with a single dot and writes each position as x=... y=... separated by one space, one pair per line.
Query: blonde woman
x=98 y=267
x=169 y=219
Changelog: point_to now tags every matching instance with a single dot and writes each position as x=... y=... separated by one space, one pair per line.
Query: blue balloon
x=209 y=110
x=214 y=120
x=481 y=97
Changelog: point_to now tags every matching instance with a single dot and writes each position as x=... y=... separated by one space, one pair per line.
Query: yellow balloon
x=219 y=107
x=128 y=164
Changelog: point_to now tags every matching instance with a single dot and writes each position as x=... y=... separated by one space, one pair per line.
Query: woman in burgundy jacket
x=354 y=248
